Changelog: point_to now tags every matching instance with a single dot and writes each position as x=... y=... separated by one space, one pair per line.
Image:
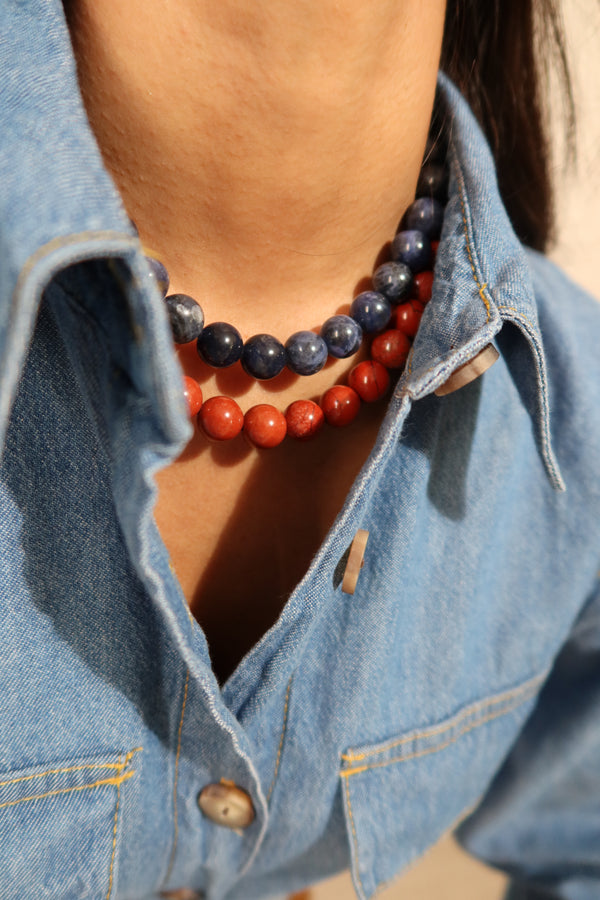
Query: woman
x=197 y=701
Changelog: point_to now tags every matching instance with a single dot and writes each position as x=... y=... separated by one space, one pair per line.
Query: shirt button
x=226 y=804
x=182 y=894
x=470 y=371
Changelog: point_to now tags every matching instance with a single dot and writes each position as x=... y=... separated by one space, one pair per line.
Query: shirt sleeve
x=540 y=819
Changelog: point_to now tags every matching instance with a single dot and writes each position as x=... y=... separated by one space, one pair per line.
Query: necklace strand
x=389 y=315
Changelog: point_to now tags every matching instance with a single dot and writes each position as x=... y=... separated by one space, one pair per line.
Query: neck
x=265 y=151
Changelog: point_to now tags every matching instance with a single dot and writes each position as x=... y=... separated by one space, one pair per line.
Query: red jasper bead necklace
x=220 y=418
x=389 y=315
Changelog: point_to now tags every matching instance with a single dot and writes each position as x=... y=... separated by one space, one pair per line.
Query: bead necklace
x=403 y=283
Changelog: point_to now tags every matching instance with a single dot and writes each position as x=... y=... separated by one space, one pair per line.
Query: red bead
x=422 y=286
x=264 y=426
x=304 y=419
x=340 y=405
x=407 y=317
x=391 y=348
x=434 y=250
x=370 y=380
x=193 y=394
x=221 y=418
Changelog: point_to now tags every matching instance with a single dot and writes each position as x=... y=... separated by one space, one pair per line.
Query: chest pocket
x=59 y=828
x=400 y=796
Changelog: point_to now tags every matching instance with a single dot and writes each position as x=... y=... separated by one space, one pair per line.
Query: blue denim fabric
x=461 y=682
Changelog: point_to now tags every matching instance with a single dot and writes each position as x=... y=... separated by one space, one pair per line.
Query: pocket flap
x=401 y=795
x=58 y=828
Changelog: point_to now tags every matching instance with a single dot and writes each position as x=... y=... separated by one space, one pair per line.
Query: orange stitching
x=175 y=821
x=114 y=844
x=519 y=315
x=84 y=787
x=354 y=837
x=482 y=287
x=119 y=766
x=399 y=759
x=447 y=726
x=283 y=729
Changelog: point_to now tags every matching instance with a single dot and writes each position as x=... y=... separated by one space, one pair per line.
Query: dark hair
x=498 y=52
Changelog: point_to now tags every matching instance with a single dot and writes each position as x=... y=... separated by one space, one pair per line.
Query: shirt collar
x=482 y=283
x=58 y=205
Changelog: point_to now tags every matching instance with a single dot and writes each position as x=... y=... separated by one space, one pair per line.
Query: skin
x=266 y=153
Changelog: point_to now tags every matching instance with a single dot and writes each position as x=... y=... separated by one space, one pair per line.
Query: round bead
x=186 y=318
x=422 y=287
x=371 y=310
x=220 y=345
x=304 y=419
x=413 y=249
x=340 y=405
x=221 y=418
x=264 y=426
x=425 y=215
x=391 y=348
x=263 y=356
x=394 y=279
x=434 y=251
x=158 y=275
x=370 y=380
x=433 y=182
x=342 y=335
x=306 y=352
x=408 y=316
x=193 y=395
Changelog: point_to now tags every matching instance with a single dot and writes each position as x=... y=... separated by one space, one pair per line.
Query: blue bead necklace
x=263 y=356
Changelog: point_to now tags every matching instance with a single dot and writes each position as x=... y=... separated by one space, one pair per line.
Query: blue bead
x=306 y=352
x=394 y=280
x=263 y=356
x=158 y=275
x=220 y=345
x=413 y=249
x=425 y=215
x=186 y=317
x=371 y=310
x=433 y=182
x=342 y=335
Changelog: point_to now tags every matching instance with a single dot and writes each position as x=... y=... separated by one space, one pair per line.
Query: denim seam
x=531 y=332
x=119 y=766
x=114 y=844
x=482 y=286
x=345 y=774
x=176 y=780
x=354 y=837
x=118 y=780
x=468 y=227
x=486 y=704
x=419 y=753
x=283 y=730
x=518 y=313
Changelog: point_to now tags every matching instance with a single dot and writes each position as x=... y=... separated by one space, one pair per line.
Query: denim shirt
x=460 y=683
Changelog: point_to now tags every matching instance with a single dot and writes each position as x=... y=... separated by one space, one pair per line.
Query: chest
x=242 y=526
